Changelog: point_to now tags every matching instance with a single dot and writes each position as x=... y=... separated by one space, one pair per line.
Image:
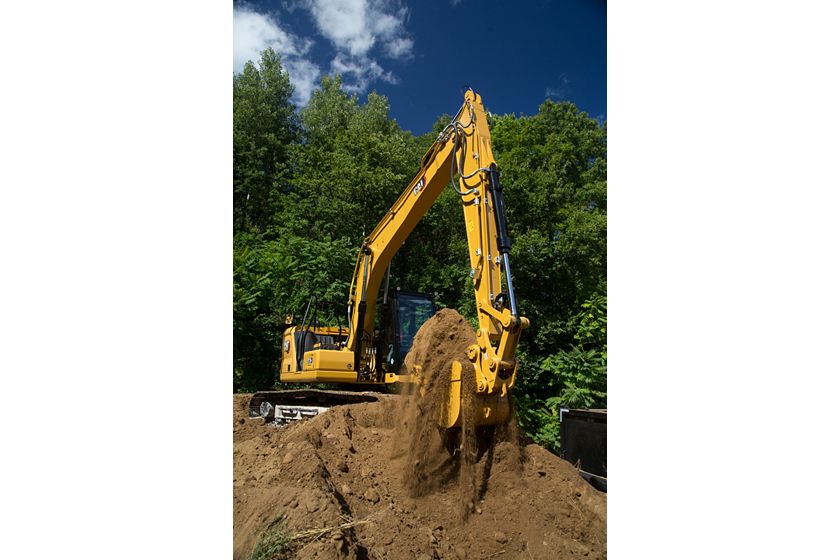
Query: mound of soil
x=386 y=483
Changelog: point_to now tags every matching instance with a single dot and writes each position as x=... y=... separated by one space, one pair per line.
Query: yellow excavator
x=461 y=156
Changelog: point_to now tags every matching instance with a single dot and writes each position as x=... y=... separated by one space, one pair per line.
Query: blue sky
x=420 y=54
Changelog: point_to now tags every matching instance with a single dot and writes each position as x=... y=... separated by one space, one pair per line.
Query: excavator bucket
x=490 y=409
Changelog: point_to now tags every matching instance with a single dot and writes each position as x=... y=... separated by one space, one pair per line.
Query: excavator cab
x=402 y=316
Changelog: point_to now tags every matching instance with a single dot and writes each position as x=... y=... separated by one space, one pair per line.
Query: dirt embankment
x=404 y=489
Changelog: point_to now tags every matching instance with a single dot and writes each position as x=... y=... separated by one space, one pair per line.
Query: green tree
x=352 y=164
x=554 y=174
x=553 y=168
x=265 y=130
x=574 y=377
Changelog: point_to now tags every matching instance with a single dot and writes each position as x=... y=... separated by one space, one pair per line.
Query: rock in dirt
x=371 y=495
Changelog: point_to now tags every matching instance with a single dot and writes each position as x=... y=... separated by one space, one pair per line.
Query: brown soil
x=410 y=490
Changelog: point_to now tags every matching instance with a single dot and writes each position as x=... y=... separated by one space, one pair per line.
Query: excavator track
x=283 y=407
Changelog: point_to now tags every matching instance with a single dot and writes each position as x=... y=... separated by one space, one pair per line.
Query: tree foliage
x=265 y=130
x=308 y=185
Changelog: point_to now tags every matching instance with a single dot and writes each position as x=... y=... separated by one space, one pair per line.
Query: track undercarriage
x=282 y=407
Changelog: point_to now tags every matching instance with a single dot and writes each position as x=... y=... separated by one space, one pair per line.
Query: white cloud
x=359 y=30
x=359 y=72
x=344 y=23
x=355 y=27
x=398 y=48
x=304 y=75
x=254 y=32
x=560 y=91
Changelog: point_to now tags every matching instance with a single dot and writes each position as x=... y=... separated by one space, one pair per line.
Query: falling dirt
x=403 y=489
x=430 y=461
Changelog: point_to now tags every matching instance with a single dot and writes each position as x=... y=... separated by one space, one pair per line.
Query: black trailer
x=583 y=442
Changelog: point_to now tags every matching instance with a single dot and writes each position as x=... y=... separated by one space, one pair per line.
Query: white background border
x=116 y=289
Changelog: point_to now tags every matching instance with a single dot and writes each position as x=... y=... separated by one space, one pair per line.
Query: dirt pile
x=377 y=480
